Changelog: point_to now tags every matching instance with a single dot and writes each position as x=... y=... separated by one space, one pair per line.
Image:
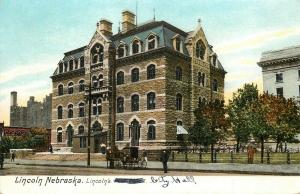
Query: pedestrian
x=145 y=155
x=13 y=155
x=51 y=149
x=164 y=159
x=1 y=159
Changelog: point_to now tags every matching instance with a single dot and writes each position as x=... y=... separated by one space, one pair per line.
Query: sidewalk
x=271 y=169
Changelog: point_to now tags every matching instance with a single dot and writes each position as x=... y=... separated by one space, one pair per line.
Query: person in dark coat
x=13 y=155
x=164 y=159
x=1 y=160
x=51 y=149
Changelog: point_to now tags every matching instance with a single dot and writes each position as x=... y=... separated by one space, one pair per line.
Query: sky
x=35 y=34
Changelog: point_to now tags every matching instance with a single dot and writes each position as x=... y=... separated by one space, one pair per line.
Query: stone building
x=35 y=114
x=146 y=82
x=281 y=72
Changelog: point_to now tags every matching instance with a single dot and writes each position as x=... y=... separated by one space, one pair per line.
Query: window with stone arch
x=70 y=88
x=82 y=139
x=121 y=51
x=70 y=111
x=135 y=102
x=177 y=44
x=135 y=75
x=120 y=132
x=59 y=135
x=71 y=65
x=178 y=102
x=100 y=80
x=65 y=66
x=97 y=53
x=178 y=73
x=81 y=130
x=151 y=71
x=81 y=62
x=95 y=81
x=200 y=49
x=120 y=104
x=60 y=89
x=120 y=78
x=81 y=109
x=136 y=46
x=99 y=106
x=151 y=135
x=81 y=85
x=215 y=85
x=151 y=100
x=151 y=42
x=59 y=112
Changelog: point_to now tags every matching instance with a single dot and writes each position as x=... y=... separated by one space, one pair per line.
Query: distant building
x=281 y=72
x=147 y=80
x=36 y=114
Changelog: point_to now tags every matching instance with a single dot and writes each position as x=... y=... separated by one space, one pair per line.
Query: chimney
x=128 y=21
x=105 y=27
x=13 y=98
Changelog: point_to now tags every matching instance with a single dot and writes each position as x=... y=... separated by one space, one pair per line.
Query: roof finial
x=154 y=14
x=199 y=21
x=119 y=28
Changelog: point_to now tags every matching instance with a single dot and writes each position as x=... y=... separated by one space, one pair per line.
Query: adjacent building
x=281 y=72
x=146 y=80
x=35 y=114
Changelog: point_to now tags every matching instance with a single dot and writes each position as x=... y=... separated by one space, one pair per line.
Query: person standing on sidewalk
x=13 y=155
x=164 y=159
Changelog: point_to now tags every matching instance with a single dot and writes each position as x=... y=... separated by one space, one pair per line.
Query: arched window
x=60 y=89
x=59 y=112
x=120 y=132
x=178 y=73
x=120 y=78
x=81 y=109
x=199 y=78
x=215 y=85
x=151 y=100
x=70 y=111
x=97 y=53
x=81 y=130
x=96 y=126
x=135 y=102
x=151 y=130
x=203 y=79
x=59 y=135
x=100 y=80
x=151 y=42
x=136 y=46
x=135 y=75
x=71 y=65
x=200 y=49
x=81 y=62
x=151 y=71
x=178 y=102
x=177 y=44
x=76 y=63
x=61 y=67
x=94 y=107
x=81 y=85
x=99 y=106
x=95 y=81
x=70 y=88
x=179 y=123
x=120 y=104
x=121 y=51
x=65 y=66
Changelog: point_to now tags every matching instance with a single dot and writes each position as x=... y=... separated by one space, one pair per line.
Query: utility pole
x=89 y=121
x=211 y=106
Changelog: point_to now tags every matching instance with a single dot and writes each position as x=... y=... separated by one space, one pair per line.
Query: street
x=13 y=169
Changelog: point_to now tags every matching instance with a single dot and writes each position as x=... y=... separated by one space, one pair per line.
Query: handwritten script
x=165 y=181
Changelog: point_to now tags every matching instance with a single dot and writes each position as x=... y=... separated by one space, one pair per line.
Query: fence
x=233 y=157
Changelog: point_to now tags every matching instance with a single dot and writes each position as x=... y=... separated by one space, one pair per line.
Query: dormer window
x=97 y=53
x=71 y=67
x=61 y=68
x=81 y=62
x=177 y=44
x=214 y=60
x=136 y=46
x=121 y=51
x=65 y=66
x=200 y=49
x=76 y=63
x=151 y=42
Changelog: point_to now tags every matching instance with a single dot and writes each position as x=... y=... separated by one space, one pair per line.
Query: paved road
x=13 y=169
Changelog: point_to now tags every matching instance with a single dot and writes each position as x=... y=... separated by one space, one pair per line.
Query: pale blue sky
x=35 y=34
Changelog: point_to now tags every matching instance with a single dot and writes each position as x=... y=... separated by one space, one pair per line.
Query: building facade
x=35 y=114
x=146 y=80
x=281 y=72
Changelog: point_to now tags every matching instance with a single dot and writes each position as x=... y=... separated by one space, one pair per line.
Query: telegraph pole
x=89 y=122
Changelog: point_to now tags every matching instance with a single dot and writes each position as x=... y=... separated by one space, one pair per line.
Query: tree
x=236 y=112
x=210 y=125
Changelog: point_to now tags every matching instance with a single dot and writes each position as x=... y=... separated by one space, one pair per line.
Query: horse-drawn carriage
x=127 y=158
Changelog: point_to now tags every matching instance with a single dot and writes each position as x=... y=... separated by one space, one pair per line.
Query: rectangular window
x=82 y=142
x=279 y=77
x=279 y=92
x=299 y=74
